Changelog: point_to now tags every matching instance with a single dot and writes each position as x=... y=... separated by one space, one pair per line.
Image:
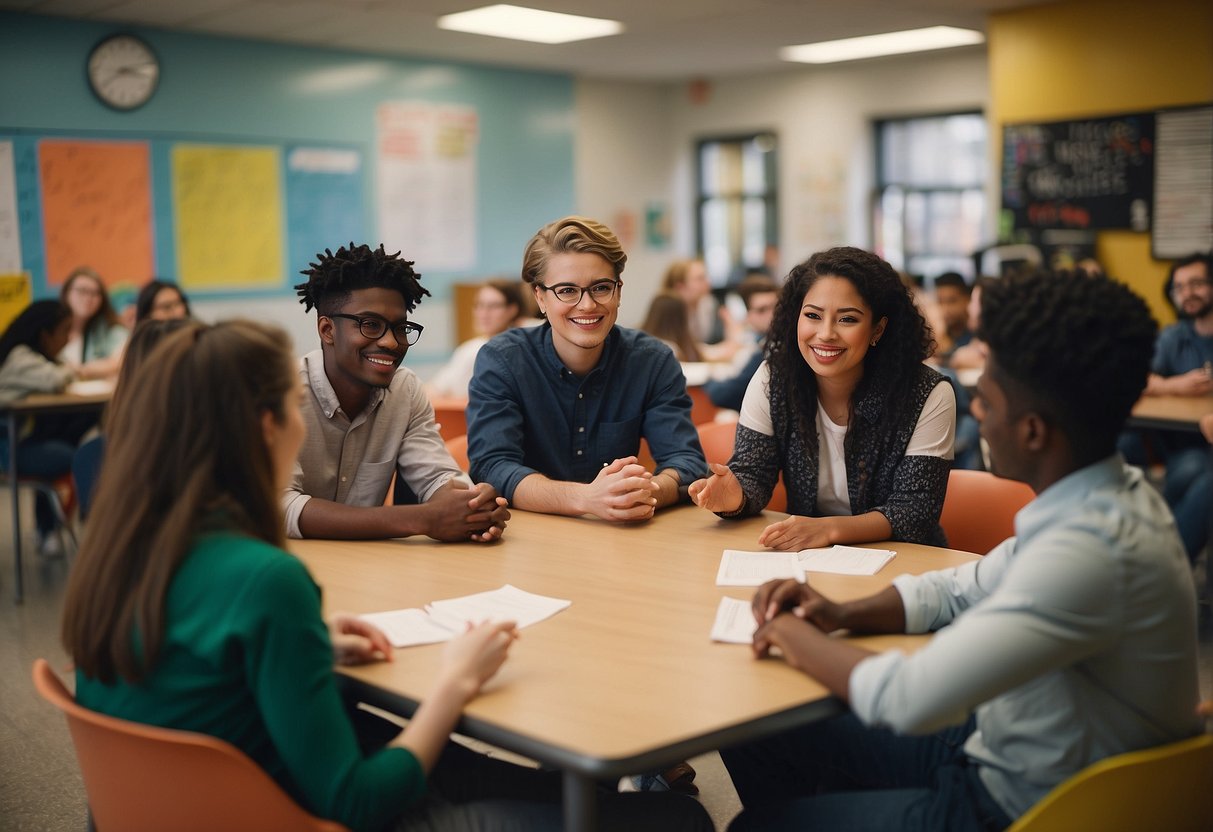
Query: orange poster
x=97 y=209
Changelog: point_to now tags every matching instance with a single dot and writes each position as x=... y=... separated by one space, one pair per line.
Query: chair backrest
x=1160 y=788
x=457 y=446
x=979 y=510
x=717 y=440
x=143 y=778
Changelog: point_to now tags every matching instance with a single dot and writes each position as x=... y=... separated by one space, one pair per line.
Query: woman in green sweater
x=184 y=611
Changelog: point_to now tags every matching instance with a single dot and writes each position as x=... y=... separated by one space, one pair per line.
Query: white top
x=1073 y=641
x=453 y=378
x=934 y=435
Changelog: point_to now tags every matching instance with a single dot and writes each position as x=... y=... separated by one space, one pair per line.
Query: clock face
x=123 y=72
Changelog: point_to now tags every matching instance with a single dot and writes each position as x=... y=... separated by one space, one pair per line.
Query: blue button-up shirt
x=529 y=414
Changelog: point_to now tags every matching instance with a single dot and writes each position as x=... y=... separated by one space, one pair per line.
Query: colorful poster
x=15 y=295
x=229 y=216
x=97 y=209
x=427 y=183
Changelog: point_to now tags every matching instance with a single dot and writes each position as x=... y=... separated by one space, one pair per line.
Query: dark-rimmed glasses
x=373 y=327
x=599 y=292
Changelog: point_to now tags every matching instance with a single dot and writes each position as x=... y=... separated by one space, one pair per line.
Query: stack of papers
x=734 y=622
x=444 y=620
x=739 y=568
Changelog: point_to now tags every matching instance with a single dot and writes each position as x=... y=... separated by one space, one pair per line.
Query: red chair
x=717 y=440
x=141 y=778
x=979 y=510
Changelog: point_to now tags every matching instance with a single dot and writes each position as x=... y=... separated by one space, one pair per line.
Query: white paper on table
x=734 y=622
x=409 y=628
x=91 y=387
x=844 y=560
x=508 y=603
x=739 y=568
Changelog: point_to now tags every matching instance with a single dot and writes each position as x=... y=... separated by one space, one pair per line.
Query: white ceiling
x=663 y=39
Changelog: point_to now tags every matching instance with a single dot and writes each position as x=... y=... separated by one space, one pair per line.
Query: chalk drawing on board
x=228 y=202
x=10 y=228
x=427 y=182
x=97 y=209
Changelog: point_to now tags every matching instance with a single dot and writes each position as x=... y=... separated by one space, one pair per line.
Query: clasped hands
x=457 y=512
x=721 y=492
x=622 y=490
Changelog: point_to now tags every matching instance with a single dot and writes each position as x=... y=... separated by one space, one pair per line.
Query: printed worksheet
x=443 y=620
x=739 y=568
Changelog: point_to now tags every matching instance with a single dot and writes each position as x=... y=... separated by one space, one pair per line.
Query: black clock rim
x=142 y=42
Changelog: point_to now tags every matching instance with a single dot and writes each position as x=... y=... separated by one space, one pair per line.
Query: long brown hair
x=143 y=341
x=187 y=456
x=668 y=320
x=106 y=310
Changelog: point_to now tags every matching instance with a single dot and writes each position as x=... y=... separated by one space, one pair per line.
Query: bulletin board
x=223 y=218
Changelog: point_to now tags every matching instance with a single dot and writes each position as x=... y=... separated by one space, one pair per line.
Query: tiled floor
x=40 y=786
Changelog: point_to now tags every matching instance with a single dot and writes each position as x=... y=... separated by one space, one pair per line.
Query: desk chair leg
x=19 y=573
x=580 y=803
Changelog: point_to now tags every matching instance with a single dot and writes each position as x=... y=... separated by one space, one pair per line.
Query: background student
x=27 y=365
x=368 y=417
x=861 y=429
x=499 y=306
x=161 y=300
x=94 y=345
x=667 y=321
x=184 y=611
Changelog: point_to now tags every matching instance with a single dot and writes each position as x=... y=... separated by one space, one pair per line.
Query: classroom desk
x=625 y=680
x=39 y=403
x=1170 y=412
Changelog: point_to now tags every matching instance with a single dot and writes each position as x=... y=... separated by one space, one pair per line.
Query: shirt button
x=579 y=453
x=343 y=479
x=581 y=430
x=580 y=396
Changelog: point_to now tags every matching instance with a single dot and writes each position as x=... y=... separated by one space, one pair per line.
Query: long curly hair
x=889 y=367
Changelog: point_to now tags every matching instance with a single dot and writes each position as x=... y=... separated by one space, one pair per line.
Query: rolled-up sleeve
x=293 y=501
x=496 y=426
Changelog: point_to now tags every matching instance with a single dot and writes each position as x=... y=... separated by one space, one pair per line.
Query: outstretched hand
x=718 y=492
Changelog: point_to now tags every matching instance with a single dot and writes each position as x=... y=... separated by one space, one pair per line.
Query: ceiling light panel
x=875 y=46
x=519 y=23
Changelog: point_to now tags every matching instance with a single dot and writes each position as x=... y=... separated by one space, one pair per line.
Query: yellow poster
x=229 y=216
x=14 y=296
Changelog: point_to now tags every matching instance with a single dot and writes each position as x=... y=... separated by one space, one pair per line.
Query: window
x=930 y=205
x=736 y=210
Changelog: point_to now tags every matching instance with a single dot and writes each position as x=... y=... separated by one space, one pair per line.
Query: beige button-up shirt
x=351 y=460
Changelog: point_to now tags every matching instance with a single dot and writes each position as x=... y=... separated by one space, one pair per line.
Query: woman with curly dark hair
x=861 y=429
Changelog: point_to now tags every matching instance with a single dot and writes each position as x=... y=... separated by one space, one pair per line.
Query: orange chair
x=457 y=447
x=702 y=409
x=141 y=778
x=717 y=440
x=979 y=510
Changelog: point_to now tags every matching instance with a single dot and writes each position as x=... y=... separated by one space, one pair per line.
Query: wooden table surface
x=624 y=680
x=1170 y=412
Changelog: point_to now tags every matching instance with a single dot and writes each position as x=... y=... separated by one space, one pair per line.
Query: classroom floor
x=40 y=785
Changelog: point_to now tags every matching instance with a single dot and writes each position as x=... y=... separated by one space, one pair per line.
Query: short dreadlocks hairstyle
x=332 y=278
x=1075 y=348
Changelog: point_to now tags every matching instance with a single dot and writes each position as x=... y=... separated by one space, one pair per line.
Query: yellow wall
x=1102 y=57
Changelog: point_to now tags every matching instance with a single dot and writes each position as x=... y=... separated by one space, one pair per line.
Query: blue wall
x=221 y=89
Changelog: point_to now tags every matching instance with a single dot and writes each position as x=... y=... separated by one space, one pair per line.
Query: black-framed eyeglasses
x=599 y=292
x=1195 y=283
x=374 y=327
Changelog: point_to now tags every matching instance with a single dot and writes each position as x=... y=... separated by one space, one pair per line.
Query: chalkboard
x=1089 y=174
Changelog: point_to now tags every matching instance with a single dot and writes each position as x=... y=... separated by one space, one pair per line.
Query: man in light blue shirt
x=1071 y=642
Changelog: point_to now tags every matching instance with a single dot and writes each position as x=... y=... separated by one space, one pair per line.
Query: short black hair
x=332 y=278
x=27 y=328
x=953 y=279
x=1076 y=347
x=1198 y=257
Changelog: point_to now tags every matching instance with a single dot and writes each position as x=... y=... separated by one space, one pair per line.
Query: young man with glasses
x=368 y=418
x=1183 y=366
x=556 y=412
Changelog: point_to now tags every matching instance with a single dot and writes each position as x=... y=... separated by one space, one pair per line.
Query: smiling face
x=83 y=297
x=1192 y=291
x=836 y=329
x=354 y=363
x=168 y=305
x=579 y=329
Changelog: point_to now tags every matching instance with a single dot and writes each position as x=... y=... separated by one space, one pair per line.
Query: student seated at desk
x=1183 y=366
x=161 y=300
x=498 y=307
x=27 y=365
x=368 y=418
x=184 y=611
x=759 y=294
x=861 y=429
x=1072 y=642
x=94 y=346
x=556 y=412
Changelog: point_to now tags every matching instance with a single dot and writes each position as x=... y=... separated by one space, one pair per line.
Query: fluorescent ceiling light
x=518 y=23
x=874 y=46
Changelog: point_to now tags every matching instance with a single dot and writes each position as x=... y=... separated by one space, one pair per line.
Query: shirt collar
x=318 y=380
x=1067 y=496
x=553 y=363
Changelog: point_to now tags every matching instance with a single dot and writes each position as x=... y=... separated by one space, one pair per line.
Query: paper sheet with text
x=443 y=620
x=738 y=568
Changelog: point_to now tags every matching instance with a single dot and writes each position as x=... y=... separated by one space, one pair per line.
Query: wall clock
x=123 y=72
